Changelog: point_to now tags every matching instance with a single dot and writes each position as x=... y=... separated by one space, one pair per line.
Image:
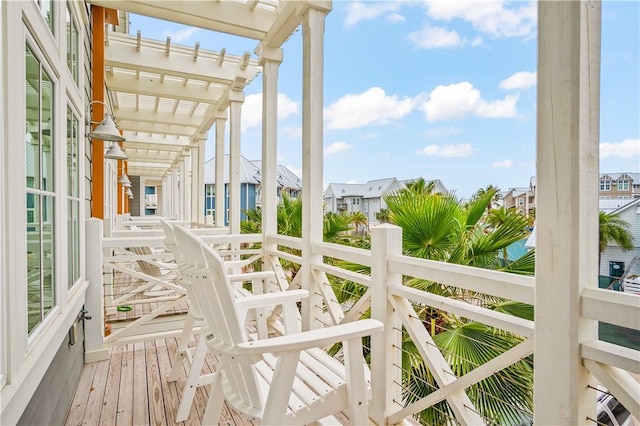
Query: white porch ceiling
x=165 y=96
x=161 y=92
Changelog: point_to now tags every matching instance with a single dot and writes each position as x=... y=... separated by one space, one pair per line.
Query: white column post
x=220 y=197
x=236 y=98
x=94 y=303
x=197 y=180
x=270 y=59
x=386 y=347
x=567 y=207
x=185 y=184
x=175 y=194
x=312 y=137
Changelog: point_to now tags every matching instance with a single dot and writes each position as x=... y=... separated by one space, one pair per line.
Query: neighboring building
x=250 y=179
x=520 y=199
x=622 y=186
x=288 y=183
x=367 y=198
x=614 y=260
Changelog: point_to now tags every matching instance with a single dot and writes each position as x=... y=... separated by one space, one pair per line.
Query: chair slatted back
x=171 y=244
x=215 y=295
x=146 y=267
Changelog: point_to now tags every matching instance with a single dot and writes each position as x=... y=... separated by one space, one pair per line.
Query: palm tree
x=440 y=227
x=359 y=219
x=613 y=229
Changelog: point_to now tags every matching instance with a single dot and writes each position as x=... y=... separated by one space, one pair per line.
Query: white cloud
x=337 y=147
x=371 y=107
x=351 y=182
x=519 y=80
x=436 y=38
x=459 y=100
x=496 y=18
x=625 y=149
x=293 y=132
x=395 y=17
x=449 y=151
x=504 y=164
x=252 y=109
x=359 y=11
x=182 y=35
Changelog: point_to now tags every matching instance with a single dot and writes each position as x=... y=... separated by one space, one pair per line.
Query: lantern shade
x=115 y=153
x=107 y=131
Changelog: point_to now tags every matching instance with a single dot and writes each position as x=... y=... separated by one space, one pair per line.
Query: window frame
x=43 y=193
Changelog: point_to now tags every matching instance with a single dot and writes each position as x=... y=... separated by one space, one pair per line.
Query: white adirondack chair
x=257 y=319
x=280 y=380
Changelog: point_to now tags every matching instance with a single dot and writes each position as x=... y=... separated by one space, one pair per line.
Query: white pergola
x=166 y=98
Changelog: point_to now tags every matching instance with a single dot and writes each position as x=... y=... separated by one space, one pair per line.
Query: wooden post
x=97 y=90
x=386 y=347
x=567 y=207
x=236 y=98
x=270 y=59
x=220 y=196
x=312 y=155
x=94 y=304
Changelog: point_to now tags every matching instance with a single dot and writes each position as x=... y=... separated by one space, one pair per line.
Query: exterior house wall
x=631 y=215
x=247 y=200
x=38 y=368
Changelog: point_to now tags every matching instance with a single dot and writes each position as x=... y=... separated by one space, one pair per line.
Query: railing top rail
x=494 y=283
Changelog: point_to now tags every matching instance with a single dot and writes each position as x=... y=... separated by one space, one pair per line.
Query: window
x=605 y=185
x=39 y=146
x=73 y=198
x=623 y=185
x=605 y=197
x=623 y=197
x=521 y=201
x=72 y=44
x=46 y=10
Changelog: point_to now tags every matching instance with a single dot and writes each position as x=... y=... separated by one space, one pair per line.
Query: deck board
x=131 y=388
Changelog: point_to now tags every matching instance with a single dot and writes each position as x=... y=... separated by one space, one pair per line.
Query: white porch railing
x=384 y=292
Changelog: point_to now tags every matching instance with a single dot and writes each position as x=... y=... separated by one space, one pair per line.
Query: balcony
x=131 y=385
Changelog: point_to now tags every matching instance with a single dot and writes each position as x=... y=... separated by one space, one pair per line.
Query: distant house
x=365 y=197
x=520 y=199
x=622 y=186
x=613 y=259
x=250 y=185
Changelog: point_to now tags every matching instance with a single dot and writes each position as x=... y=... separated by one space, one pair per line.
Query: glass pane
x=47 y=254
x=32 y=136
x=72 y=154
x=46 y=8
x=33 y=261
x=69 y=152
x=73 y=241
x=46 y=125
x=72 y=45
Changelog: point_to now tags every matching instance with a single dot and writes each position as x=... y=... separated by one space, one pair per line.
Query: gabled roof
x=375 y=188
x=249 y=173
x=615 y=176
x=286 y=178
x=632 y=203
x=614 y=206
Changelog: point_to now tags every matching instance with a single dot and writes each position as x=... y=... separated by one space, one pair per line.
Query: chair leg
x=192 y=381
x=183 y=347
x=356 y=386
x=214 y=404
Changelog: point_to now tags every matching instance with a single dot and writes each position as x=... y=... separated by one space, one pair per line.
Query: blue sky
x=434 y=89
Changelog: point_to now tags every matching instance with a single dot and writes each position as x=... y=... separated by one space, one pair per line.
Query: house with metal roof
x=250 y=185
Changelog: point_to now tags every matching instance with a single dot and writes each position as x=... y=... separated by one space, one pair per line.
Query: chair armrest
x=271 y=299
x=248 y=276
x=312 y=338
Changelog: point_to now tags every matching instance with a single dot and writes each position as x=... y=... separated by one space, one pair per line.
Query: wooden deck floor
x=131 y=388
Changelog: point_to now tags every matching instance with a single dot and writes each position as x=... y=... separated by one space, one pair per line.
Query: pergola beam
x=121 y=53
x=129 y=83
x=148 y=116
x=223 y=16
